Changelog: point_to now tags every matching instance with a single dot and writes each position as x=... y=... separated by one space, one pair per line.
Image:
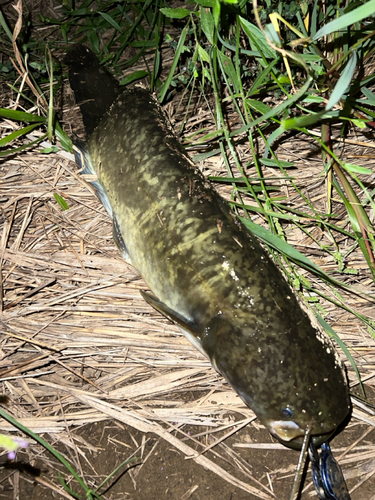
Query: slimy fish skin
x=207 y=273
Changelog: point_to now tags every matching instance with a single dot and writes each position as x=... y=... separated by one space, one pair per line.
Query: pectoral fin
x=119 y=240
x=190 y=329
x=83 y=160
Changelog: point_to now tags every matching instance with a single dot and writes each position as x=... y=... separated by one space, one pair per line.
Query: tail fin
x=94 y=87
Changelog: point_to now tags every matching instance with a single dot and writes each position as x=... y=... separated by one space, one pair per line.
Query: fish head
x=290 y=430
x=293 y=384
x=288 y=419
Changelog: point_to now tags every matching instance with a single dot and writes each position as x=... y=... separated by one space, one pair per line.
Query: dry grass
x=79 y=345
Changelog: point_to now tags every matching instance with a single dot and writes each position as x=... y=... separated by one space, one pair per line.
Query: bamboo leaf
x=208 y=24
x=111 y=21
x=343 y=82
x=227 y=66
x=258 y=106
x=302 y=121
x=21 y=148
x=175 y=13
x=60 y=200
x=257 y=39
x=136 y=75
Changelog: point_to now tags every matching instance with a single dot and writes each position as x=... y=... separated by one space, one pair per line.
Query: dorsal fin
x=94 y=87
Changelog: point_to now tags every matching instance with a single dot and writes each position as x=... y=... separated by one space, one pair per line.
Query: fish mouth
x=290 y=434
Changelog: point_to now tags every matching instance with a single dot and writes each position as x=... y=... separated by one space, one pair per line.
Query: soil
x=161 y=472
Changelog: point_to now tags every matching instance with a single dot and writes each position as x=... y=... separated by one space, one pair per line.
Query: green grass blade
x=50 y=126
x=17 y=133
x=276 y=110
x=136 y=75
x=179 y=50
x=64 y=139
x=21 y=116
x=111 y=21
x=343 y=82
x=5 y=27
x=283 y=247
x=358 y=218
x=356 y=15
x=44 y=443
x=370 y=96
x=60 y=200
x=125 y=462
x=21 y=148
x=262 y=76
x=331 y=332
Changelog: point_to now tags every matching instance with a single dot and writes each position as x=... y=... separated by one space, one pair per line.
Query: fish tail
x=94 y=87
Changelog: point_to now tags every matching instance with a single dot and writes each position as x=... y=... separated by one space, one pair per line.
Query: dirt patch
x=161 y=471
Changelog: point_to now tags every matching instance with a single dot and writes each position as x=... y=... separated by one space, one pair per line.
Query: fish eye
x=287 y=412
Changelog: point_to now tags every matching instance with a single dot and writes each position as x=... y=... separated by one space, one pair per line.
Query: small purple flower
x=11 y=444
x=22 y=443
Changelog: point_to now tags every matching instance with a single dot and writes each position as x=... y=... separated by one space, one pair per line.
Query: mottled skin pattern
x=203 y=265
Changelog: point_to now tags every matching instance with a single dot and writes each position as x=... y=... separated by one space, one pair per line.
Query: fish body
x=209 y=275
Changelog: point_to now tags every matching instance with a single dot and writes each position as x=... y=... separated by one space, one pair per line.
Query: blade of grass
x=21 y=116
x=356 y=15
x=17 y=133
x=331 y=332
x=179 y=49
x=46 y=445
x=21 y=148
x=292 y=253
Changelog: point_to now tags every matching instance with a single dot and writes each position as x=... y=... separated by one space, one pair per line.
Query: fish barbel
x=207 y=273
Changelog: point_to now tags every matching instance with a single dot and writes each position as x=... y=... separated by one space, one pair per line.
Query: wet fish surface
x=207 y=273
